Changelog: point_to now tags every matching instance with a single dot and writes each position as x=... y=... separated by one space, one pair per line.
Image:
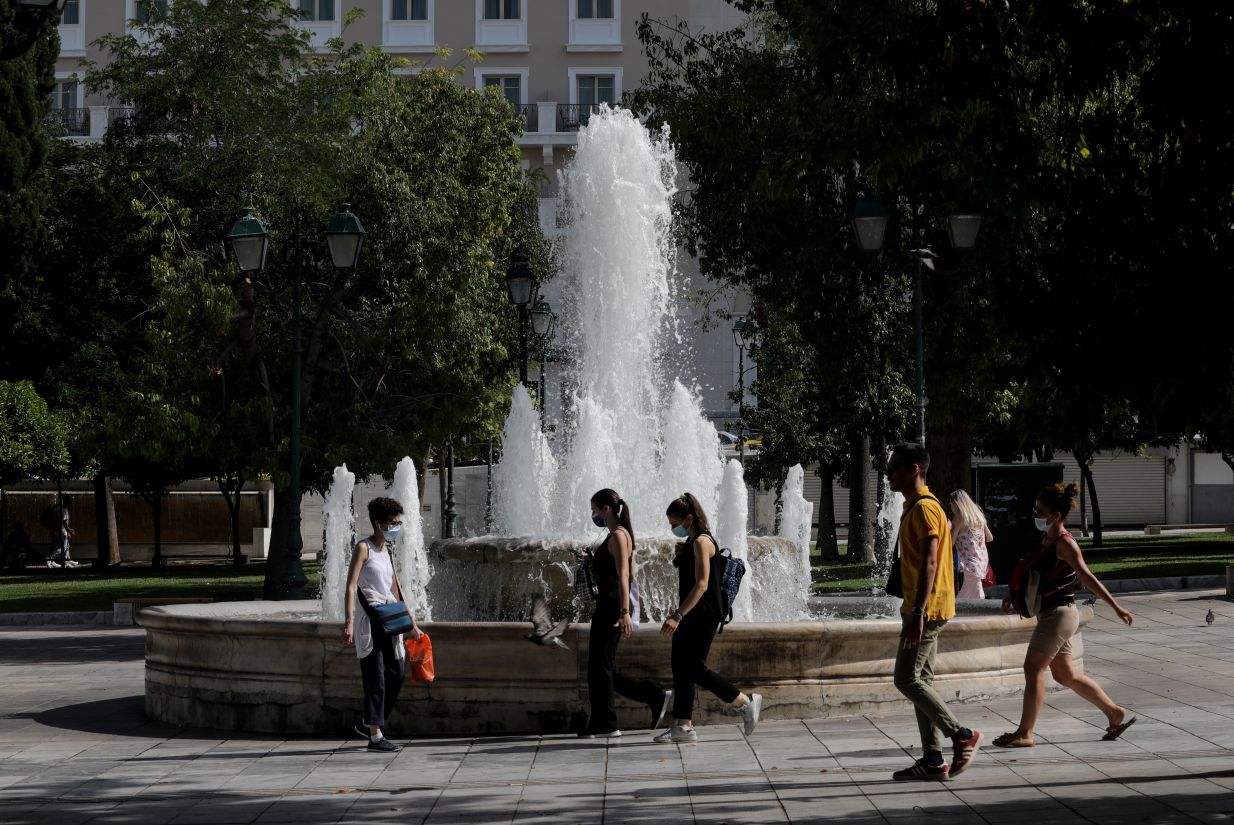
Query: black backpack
x=728 y=572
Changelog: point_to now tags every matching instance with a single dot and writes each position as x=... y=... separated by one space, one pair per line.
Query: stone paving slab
x=76 y=748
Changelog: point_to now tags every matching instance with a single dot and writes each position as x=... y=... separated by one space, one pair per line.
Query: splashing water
x=731 y=533
x=524 y=481
x=797 y=513
x=632 y=424
x=411 y=557
x=887 y=526
x=339 y=542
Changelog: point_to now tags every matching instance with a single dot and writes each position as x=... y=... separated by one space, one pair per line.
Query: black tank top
x=605 y=567
x=684 y=562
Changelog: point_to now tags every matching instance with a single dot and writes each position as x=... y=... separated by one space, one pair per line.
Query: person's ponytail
x=623 y=518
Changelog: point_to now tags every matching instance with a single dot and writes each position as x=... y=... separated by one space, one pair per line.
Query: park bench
x=124 y=611
x=1157 y=529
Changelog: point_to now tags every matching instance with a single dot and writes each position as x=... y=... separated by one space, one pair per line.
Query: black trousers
x=604 y=679
x=691 y=643
x=382 y=674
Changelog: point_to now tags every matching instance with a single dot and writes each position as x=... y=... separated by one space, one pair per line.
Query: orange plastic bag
x=420 y=668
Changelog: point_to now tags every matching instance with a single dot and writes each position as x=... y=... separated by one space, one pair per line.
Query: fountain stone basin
x=494 y=578
x=276 y=667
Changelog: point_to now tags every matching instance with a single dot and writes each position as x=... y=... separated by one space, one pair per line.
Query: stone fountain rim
x=220 y=617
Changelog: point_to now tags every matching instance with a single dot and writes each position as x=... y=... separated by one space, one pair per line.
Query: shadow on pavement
x=72 y=647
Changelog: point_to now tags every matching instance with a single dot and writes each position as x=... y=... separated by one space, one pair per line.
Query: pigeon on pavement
x=1210 y=617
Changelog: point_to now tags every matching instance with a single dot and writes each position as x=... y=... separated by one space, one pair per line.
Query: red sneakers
x=963 y=752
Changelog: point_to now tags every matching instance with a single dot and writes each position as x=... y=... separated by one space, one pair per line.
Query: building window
x=511 y=87
x=71 y=16
x=592 y=9
x=150 y=11
x=502 y=10
x=595 y=89
x=65 y=94
x=409 y=10
x=317 y=11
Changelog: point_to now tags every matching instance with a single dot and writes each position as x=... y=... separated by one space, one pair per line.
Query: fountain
x=633 y=424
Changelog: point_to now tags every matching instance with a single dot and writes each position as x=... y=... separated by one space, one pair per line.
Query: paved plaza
x=75 y=748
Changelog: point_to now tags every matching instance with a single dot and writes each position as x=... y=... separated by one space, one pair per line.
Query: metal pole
x=294 y=581
x=918 y=300
x=488 y=496
x=451 y=513
x=541 y=393
x=522 y=344
x=741 y=399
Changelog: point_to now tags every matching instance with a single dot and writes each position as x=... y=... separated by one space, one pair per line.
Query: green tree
x=32 y=438
x=400 y=354
x=25 y=83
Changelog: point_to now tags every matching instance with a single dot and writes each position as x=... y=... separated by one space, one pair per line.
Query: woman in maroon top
x=1060 y=564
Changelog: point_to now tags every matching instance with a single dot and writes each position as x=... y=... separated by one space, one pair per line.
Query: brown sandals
x=1115 y=731
x=1011 y=740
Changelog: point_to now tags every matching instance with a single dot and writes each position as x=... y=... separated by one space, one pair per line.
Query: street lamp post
x=451 y=512
x=543 y=323
x=739 y=338
x=870 y=219
x=520 y=282
x=249 y=242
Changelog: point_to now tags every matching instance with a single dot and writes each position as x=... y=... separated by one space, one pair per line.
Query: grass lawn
x=1119 y=557
x=82 y=589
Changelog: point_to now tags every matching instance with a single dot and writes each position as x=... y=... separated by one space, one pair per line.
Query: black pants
x=691 y=643
x=603 y=678
x=382 y=674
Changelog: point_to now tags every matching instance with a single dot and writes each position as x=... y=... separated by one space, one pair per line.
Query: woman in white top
x=371 y=581
x=969 y=536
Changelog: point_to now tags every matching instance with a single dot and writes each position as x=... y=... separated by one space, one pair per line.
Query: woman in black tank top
x=613 y=565
x=1060 y=564
x=694 y=623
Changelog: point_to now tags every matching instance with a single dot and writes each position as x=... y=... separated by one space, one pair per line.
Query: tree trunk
x=105 y=523
x=951 y=455
x=441 y=491
x=828 y=546
x=1086 y=473
x=156 y=503
x=230 y=487
x=860 y=512
x=280 y=531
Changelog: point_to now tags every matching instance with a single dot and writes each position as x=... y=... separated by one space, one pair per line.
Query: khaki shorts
x=1055 y=627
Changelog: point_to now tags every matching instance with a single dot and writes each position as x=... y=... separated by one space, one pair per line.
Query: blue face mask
x=598 y=521
x=391 y=532
x=681 y=531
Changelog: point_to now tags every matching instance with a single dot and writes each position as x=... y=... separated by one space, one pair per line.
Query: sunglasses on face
x=892 y=466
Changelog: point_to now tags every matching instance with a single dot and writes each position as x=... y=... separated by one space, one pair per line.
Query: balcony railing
x=530 y=118
x=122 y=115
x=570 y=116
x=70 y=122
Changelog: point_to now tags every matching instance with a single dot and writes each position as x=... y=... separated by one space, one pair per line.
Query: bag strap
x=904 y=515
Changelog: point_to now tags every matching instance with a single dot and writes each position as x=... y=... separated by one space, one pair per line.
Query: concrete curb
x=38 y=619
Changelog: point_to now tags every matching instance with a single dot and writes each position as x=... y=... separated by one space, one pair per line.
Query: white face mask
x=1041 y=524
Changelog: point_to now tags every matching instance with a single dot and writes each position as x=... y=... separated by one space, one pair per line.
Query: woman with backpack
x=694 y=623
x=614 y=620
x=1044 y=586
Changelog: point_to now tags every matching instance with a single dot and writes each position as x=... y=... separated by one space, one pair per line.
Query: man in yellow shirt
x=927 y=576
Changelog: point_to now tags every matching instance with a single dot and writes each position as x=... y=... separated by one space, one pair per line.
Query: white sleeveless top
x=376 y=582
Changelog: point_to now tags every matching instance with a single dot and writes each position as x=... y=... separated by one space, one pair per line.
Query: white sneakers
x=750 y=712
x=676 y=734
